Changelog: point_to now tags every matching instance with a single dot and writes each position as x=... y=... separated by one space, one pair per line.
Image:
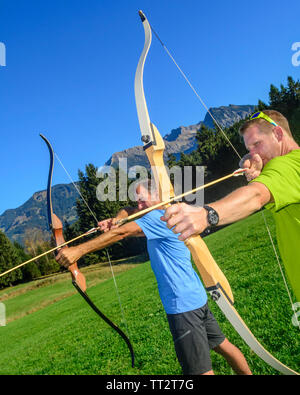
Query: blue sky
x=70 y=69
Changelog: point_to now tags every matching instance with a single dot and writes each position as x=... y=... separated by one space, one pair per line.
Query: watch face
x=213 y=218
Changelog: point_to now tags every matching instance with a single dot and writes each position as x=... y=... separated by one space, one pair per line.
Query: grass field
x=51 y=330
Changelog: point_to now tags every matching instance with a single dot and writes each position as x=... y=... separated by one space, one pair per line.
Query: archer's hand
x=186 y=219
x=107 y=224
x=253 y=164
x=67 y=256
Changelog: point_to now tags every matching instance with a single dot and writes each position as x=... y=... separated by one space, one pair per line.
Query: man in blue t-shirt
x=194 y=329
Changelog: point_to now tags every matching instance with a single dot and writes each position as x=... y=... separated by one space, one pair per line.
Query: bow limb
x=78 y=279
x=213 y=278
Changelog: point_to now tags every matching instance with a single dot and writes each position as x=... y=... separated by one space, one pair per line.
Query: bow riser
x=57 y=230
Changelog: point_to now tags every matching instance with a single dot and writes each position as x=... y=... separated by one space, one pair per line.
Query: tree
x=9 y=258
x=287 y=101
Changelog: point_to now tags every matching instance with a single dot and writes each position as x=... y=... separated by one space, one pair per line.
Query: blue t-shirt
x=179 y=286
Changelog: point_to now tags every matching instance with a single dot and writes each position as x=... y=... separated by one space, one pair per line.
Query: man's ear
x=278 y=133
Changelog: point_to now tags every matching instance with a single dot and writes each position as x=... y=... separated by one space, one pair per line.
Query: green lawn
x=51 y=329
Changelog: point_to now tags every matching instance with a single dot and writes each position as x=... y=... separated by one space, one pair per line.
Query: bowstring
x=238 y=155
x=194 y=90
x=107 y=253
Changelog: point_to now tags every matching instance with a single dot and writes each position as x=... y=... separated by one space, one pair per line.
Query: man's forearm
x=240 y=204
x=67 y=256
x=100 y=242
x=110 y=237
x=189 y=221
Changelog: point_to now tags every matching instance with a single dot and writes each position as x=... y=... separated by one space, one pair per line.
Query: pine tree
x=8 y=259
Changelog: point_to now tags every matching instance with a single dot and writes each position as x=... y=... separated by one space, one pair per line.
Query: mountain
x=227 y=115
x=20 y=223
x=31 y=217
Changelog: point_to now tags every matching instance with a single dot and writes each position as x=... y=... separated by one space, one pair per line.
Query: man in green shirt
x=273 y=167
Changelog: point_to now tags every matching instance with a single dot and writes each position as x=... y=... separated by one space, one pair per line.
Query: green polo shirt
x=281 y=176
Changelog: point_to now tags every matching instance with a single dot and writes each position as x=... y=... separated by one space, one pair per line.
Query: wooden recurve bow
x=78 y=279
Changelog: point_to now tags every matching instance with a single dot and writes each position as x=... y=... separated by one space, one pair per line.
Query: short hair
x=265 y=126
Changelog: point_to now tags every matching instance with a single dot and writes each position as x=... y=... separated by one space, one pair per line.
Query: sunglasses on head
x=262 y=115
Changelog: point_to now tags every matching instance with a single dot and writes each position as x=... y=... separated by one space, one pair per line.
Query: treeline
x=213 y=152
x=13 y=254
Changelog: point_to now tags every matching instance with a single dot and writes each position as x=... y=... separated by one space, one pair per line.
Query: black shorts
x=195 y=333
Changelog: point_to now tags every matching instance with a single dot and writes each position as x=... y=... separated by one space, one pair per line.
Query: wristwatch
x=212 y=216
